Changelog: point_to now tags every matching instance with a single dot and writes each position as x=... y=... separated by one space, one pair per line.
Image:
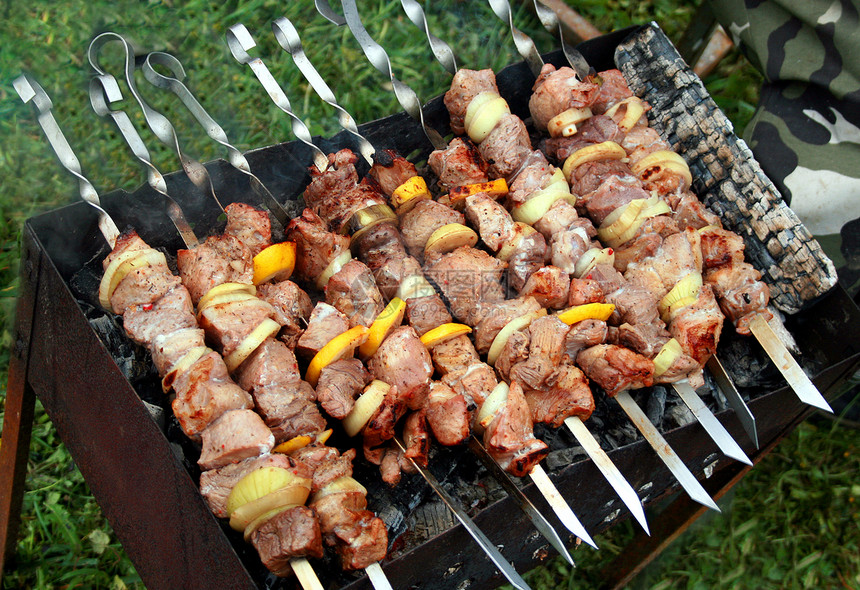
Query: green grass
x=792 y=523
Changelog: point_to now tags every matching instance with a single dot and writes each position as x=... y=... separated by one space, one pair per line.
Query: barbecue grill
x=107 y=405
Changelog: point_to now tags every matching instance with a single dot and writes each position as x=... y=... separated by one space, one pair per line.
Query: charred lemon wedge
x=339 y=347
x=275 y=262
x=409 y=194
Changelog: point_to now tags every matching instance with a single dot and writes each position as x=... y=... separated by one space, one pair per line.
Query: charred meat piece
x=316 y=247
x=419 y=223
x=326 y=463
x=697 y=327
x=453 y=354
x=216 y=484
x=448 y=415
x=506 y=147
x=509 y=438
x=721 y=247
x=283 y=399
x=236 y=435
x=615 y=368
x=359 y=537
x=471 y=281
x=169 y=347
x=528 y=257
x=380 y=428
x=172 y=312
x=742 y=295
x=204 y=392
x=566 y=394
x=474 y=382
x=390 y=170
x=292 y=309
x=584 y=334
x=295 y=532
x=220 y=259
x=228 y=324
x=493 y=222
x=546 y=345
x=426 y=313
x=325 y=323
x=459 y=164
x=352 y=290
x=250 y=225
x=402 y=361
x=339 y=384
x=466 y=85
x=557 y=90
x=416 y=438
x=516 y=350
x=691 y=212
x=143 y=286
x=613 y=88
x=584 y=291
x=498 y=317
x=647 y=338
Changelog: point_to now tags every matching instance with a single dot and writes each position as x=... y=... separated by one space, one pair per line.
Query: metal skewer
x=549 y=19
x=289 y=39
x=489 y=548
x=525 y=45
x=669 y=457
x=236 y=158
x=31 y=91
x=733 y=397
x=157 y=122
x=240 y=41
x=379 y=59
x=790 y=369
x=104 y=91
x=709 y=422
x=442 y=51
x=587 y=441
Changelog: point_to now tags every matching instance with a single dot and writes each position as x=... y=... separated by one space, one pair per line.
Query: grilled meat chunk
x=584 y=291
x=339 y=385
x=325 y=323
x=509 y=438
x=169 y=347
x=612 y=193
x=286 y=403
x=458 y=165
x=358 y=536
x=453 y=354
x=316 y=247
x=584 y=334
x=615 y=368
x=506 y=147
x=697 y=327
x=466 y=85
x=220 y=259
x=143 y=286
x=204 y=392
x=613 y=88
x=294 y=532
x=390 y=170
x=250 y=225
x=448 y=415
x=352 y=290
x=170 y=313
x=534 y=174
x=426 y=313
x=566 y=394
x=475 y=382
x=402 y=360
x=216 y=484
x=292 y=308
x=236 y=435
x=546 y=345
x=471 y=281
x=419 y=223
x=228 y=324
x=498 y=317
x=528 y=257
x=557 y=90
x=493 y=222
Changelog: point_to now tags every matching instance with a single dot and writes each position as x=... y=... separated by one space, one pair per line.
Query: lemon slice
x=339 y=347
x=388 y=319
x=409 y=194
x=493 y=188
x=443 y=333
x=589 y=311
x=275 y=262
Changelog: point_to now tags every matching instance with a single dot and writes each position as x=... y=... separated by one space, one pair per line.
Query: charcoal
x=655 y=405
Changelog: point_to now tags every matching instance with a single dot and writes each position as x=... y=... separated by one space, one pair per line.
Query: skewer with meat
x=380 y=245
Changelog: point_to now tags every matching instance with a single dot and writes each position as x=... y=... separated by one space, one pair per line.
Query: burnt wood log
x=726 y=175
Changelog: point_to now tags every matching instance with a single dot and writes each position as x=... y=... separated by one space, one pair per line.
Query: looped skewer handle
x=377 y=56
x=549 y=19
x=525 y=45
x=330 y=15
x=105 y=91
x=240 y=41
x=443 y=52
x=289 y=40
x=236 y=158
x=158 y=123
x=31 y=91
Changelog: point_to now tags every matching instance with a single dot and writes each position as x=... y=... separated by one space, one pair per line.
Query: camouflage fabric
x=806 y=130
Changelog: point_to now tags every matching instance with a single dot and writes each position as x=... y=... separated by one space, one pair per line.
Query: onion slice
x=121 y=266
x=268 y=327
x=512 y=326
x=492 y=405
x=365 y=406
